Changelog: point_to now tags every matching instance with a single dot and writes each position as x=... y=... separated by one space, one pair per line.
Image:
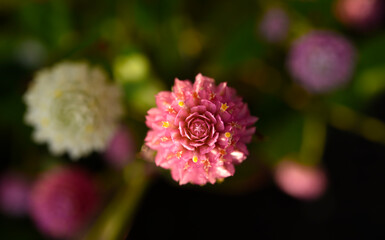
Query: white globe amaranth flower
x=73 y=108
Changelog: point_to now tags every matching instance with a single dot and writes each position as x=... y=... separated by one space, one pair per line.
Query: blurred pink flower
x=299 y=181
x=199 y=130
x=14 y=194
x=121 y=148
x=63 y=201
x=360 y=14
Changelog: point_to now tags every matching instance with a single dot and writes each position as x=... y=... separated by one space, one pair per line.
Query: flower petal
x=211 y=107
x=203 y=83
x=219 y=126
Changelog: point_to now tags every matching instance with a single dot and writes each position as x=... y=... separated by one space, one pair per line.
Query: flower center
x=74 y=111
x=198 y=128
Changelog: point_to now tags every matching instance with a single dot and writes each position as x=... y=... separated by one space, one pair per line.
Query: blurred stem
x=313 y=140
x=340 y=117
x=346 y=119
x=115 y=222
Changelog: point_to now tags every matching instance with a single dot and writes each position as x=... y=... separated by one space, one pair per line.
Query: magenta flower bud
x=321 y=61
x=360 y=14
x=274 y=25
x=299 y=181
x=121 y=149
x=200 y=130
x=63 y=201
x=14 y=194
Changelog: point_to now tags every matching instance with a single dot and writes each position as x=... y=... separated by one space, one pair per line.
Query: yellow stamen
x=224 y=107
x=165 y=124
x=227 y=134
x=235 y=125
x=206 y=165
x=186 y=166
x=89 y=128
x=58 y=93
x=164 y=139
x=179 y=154
x=170 y=110
x=195 y=159
x=222 y=152
x=180 y=96
x=195 y=95
x=181 y=103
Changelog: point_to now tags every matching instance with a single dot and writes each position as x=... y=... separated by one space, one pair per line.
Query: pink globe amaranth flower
x=299 y=181
x=274 y=25
x=362 y=15
x=121 y=149
x=199 y=130
x=14 y=194
x=321 y=61
x=63 y=201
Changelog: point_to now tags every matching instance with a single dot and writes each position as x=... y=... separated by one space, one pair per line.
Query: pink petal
x=203 y=83
x=163 y=99
x=219 y=126
x=211 y=107
x=213 y=140
x=199 y=109
x=181 y=87
x=186 y=144
x=182 y=114
x=211 y=117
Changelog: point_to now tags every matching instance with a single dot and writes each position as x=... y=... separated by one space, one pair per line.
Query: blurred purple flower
x=360 y=14
x=200 y=130
x=63 y=201
x=299 y=181
x=274 y=25
x=321 y=61
x=121 y=149
x=14 y=194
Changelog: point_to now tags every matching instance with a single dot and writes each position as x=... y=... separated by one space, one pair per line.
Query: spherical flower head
x=360 y=14
x=14 y=194
x=73 y=108
x=274 y=25
x=199 y=130
x=321 y=61
x=63 y=201
x=299 y=181
x=121 y=148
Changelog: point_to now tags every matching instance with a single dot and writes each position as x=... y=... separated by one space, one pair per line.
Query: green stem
x=313 y=140
x=115 y=222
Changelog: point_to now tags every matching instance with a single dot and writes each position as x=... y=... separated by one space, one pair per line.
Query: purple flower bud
x=274 y=25
x=14 y=194
x=321 y=61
